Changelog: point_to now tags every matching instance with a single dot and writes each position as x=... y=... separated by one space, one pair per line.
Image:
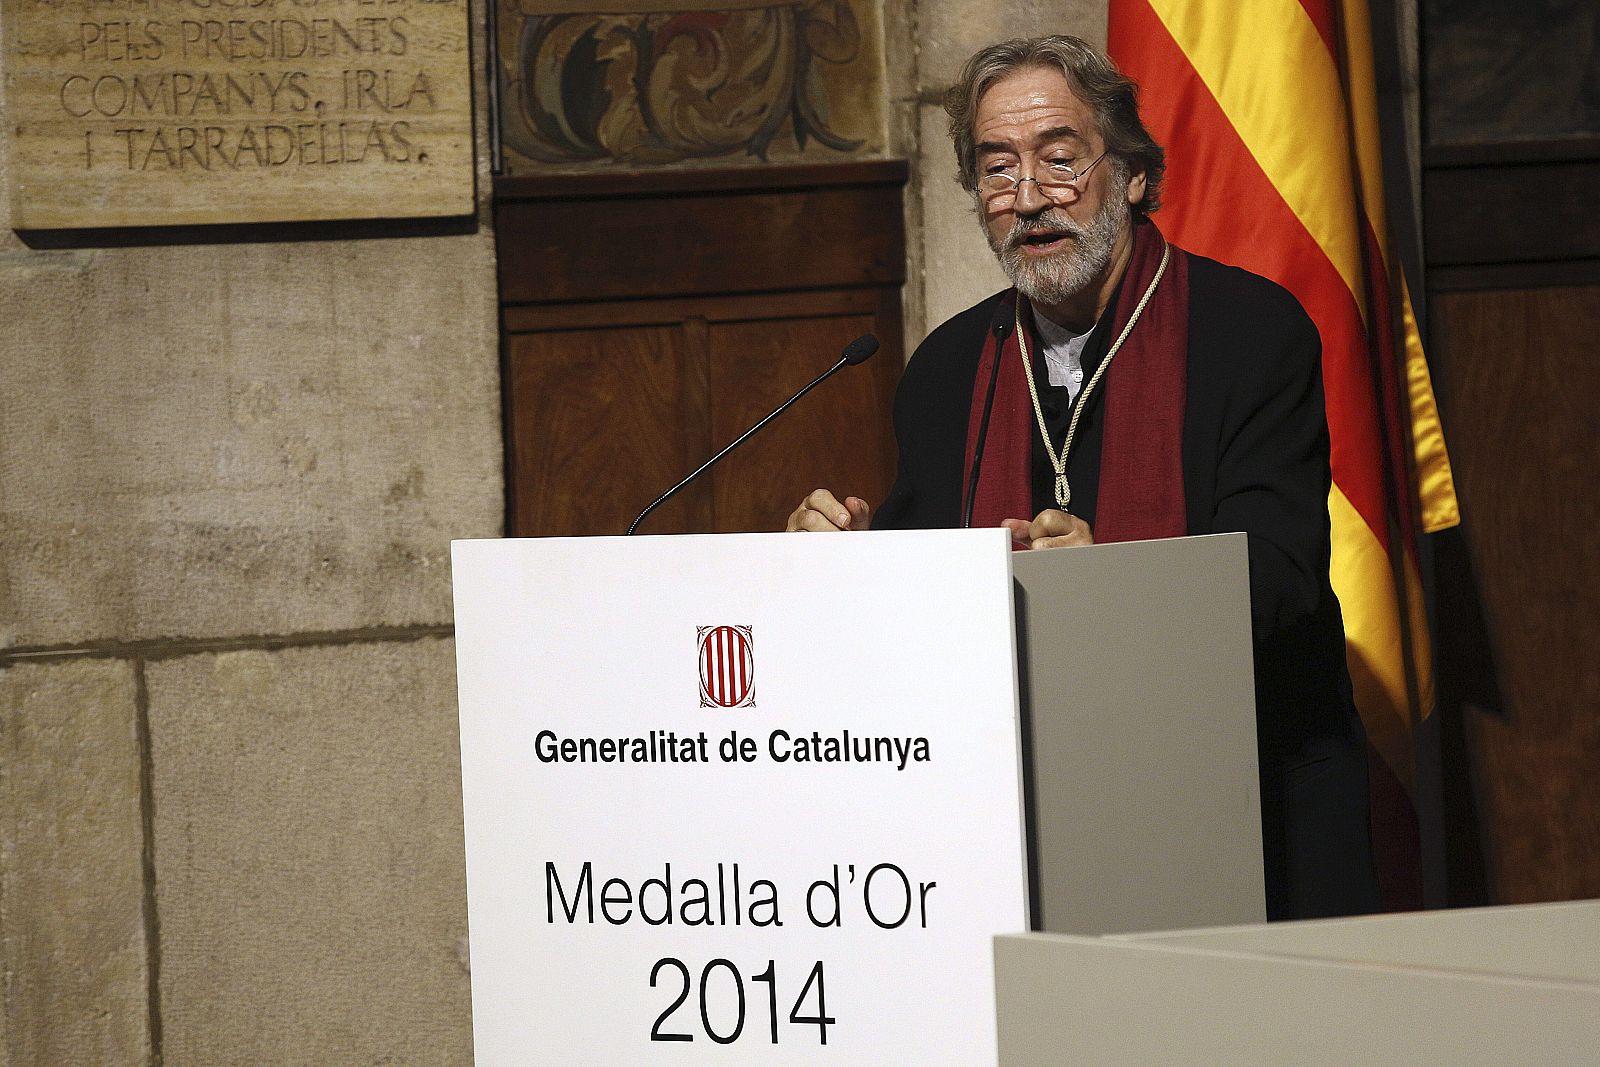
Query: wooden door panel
x=1519 y=406
x=601 y=422
x=703 y=301
x=832 y=438
x=682 y=233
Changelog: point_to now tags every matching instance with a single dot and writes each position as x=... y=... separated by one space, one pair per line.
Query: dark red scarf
x=1141 y=452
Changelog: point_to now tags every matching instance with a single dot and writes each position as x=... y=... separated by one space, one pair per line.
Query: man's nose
x=1030 y=198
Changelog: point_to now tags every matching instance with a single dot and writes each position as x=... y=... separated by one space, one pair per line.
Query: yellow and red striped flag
x=1268 y=112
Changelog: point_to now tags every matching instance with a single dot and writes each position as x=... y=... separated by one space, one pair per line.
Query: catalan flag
x=1268 y=112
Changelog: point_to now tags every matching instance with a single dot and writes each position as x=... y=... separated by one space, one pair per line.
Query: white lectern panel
x=738 y=799
x=1560 y=940
x=1472 y=988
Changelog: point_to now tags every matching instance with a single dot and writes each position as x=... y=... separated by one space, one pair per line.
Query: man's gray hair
x=1112 y=96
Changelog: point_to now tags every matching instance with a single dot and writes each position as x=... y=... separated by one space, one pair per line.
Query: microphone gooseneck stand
x=1000 y=331
x=858 y=351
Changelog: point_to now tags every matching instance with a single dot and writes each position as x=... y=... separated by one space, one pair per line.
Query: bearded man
x=1125 y=390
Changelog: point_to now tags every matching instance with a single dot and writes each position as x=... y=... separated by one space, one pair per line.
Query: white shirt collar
x=1063 y=353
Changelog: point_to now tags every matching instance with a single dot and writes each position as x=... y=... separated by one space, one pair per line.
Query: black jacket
x=1255 y=459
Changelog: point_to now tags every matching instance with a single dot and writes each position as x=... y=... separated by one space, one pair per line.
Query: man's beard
x=1054 y=279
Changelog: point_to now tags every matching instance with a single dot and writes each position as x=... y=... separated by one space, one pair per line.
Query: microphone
x=1001 y=328
x=856 y=352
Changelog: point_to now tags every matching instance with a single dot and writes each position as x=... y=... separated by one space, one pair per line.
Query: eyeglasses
x=1055 y=181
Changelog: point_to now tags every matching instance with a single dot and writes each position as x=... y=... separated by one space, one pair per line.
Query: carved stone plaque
x=175 y=112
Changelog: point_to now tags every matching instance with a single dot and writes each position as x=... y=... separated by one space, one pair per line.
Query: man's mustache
x=1048 y=221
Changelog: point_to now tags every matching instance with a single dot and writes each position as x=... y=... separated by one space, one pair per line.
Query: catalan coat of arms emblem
x=727 y=667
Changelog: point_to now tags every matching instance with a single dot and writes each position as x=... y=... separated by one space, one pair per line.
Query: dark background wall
x=1511 y=162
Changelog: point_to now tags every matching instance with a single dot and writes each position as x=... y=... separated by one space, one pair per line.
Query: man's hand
x=822 y=513
x=1050 y=529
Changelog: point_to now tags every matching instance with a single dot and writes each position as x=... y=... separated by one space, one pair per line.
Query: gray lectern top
x=1139 y=735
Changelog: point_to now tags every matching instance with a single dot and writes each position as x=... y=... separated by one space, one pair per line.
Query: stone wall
x=230 y=468
x=229 y=472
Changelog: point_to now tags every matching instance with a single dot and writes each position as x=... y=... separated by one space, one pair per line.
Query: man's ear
x=1136 y=186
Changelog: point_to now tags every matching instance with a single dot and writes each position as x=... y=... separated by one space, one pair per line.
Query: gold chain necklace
x=1063 y=491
